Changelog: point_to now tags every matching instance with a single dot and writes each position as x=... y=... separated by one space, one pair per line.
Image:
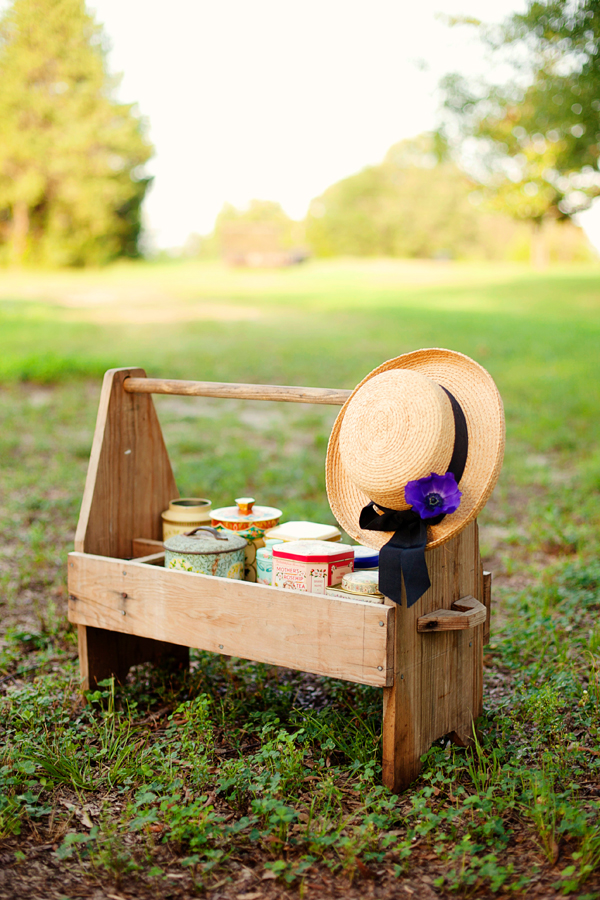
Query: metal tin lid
x=205 y=540
x=304 y=531
x=246 y=511
x=316 y=551
x=361 y=582
x=365 y=557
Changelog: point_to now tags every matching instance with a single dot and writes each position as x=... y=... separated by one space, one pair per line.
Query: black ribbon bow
x=404 y=553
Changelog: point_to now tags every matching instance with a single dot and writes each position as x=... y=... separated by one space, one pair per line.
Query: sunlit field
x=252 y=780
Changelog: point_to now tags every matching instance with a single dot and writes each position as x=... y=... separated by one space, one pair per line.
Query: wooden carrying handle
x=465 y=613
x=328 y=396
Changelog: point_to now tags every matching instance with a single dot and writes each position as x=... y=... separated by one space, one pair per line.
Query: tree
x=412 y=204
x=71 y=157
x=537 y=137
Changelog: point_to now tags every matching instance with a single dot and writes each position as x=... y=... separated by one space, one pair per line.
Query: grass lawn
x=247 y=781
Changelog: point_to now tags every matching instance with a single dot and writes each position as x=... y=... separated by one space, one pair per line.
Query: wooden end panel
x=342 y=639
x=487 y=602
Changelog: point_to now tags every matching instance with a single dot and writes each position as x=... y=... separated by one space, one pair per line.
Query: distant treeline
x=414 y=204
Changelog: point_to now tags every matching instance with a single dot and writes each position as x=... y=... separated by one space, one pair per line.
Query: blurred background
x=452 y=131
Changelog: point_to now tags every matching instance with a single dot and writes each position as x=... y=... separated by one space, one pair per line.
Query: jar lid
x=304 y=531
x=361 y=582
x=204 y=539
x=246 y=511
x=187 y=510
x=190 y=503
x=365 y=557
x=313 y=551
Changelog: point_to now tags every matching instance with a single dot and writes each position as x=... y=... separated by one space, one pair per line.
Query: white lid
x=303 y=531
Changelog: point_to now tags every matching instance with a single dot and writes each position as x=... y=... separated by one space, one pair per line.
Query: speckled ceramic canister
x=208 y=551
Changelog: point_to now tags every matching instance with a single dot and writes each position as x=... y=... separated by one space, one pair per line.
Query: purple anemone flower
x=433 y=495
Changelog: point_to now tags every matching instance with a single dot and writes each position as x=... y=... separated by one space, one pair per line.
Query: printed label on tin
x=290 y=577
x=338 y=571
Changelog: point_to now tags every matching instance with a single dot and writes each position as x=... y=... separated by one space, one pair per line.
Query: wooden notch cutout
x=465 y=613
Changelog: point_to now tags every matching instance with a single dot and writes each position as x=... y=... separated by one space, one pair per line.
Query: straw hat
x=398 y=425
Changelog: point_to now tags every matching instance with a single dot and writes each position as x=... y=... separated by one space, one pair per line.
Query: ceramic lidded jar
x=207 y=551
x=184 y=514
x=250 y=522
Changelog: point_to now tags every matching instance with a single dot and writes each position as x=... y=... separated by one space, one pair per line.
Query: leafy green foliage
x=71 y=157
x=539 y=135
x=414 y=204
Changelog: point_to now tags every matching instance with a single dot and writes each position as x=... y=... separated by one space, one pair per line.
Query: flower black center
x=432 y=501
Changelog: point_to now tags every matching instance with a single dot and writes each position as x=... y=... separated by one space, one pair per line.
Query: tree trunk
x=539 y=245
x=20 y=231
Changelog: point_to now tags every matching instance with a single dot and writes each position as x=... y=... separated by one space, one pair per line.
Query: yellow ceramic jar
x=185 y=514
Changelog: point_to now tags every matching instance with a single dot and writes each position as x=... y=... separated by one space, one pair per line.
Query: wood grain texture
x=324 y=635
x=144 y=547
x=487 y=602
x=153 y=559
x=437 y=686
x=284 y=393
x=465 y=613
x=129 y=481
x=103 y=654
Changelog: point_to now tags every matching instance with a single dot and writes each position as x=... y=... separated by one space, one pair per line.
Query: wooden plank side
x=129 y=481
x=324 y=635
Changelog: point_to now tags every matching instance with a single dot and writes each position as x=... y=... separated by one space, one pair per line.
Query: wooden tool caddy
x=130 y=609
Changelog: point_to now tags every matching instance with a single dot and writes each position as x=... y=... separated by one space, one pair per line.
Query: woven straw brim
x=481 y=403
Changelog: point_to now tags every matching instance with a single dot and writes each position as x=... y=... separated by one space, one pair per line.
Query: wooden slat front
x=325 y=635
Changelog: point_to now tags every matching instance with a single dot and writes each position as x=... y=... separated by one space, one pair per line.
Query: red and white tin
x=310 y=565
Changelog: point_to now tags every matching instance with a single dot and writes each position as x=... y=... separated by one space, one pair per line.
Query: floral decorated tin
x=310 y=565
x=336 y=590
x=250 y=522
x=361 y=583
x=264 y=562
x=207 y=551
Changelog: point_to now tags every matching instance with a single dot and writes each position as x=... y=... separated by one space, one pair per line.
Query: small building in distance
x=258 y=245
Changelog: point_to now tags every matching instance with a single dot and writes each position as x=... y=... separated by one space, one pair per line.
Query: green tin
x=207 y=551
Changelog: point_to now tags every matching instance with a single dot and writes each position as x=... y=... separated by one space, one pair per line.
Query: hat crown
x=398 y=428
